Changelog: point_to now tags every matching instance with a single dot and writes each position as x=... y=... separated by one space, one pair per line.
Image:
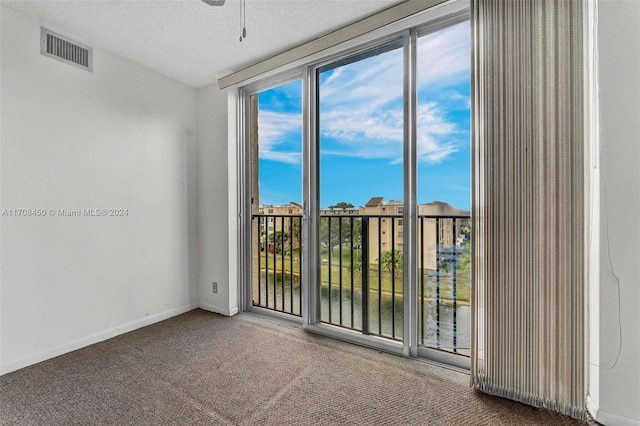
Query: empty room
x=372 y=212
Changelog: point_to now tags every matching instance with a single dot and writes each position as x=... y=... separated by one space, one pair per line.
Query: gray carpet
x=205 y=369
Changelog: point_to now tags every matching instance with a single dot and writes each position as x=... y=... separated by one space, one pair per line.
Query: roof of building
x=374 y=201
x=441 y=208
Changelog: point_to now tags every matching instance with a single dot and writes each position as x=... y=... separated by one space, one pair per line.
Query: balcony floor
x=201 y=368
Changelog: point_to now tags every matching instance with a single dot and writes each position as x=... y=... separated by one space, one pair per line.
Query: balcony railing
x=444 y=282
x=276 y=262
x=361 y=266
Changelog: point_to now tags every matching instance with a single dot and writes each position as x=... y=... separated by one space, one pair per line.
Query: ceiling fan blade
x=214 y=2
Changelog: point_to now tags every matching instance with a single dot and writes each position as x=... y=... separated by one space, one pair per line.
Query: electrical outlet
x=214 y=287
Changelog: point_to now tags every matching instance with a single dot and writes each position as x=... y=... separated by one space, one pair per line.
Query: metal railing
x=361 y=280
x=374 y=262
x=276 y=262
x=444 y=282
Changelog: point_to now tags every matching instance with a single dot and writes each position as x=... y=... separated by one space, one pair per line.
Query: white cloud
x=379 y=135
x=275 y=130
x=436 y=137
x=361 y=106
x=359 y=124
x=444 y=57
x=374 y=82
x=361 y=103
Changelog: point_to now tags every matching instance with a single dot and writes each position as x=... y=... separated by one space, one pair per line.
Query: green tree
x=356 y=238
x=295 y=228
x=357 y=269
x=336 y=229
x=464 y=259
x=295 y=236
x=342 y=205
x=277 y=239
x=392 y=261
x=330 y=233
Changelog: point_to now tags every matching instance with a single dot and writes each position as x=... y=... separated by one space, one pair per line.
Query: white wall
x=120 y=137
x=215 y=251
x=614 y=393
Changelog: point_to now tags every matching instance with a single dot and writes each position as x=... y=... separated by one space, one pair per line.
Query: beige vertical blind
x=528 y=308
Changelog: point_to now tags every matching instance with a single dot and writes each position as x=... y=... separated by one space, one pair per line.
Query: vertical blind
x=528 y=302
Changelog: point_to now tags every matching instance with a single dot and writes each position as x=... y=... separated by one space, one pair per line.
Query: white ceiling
x=190 y=41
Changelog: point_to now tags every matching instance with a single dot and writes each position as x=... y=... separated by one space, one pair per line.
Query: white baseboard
x=82 y=342
x=608 y=419
x=218 y=310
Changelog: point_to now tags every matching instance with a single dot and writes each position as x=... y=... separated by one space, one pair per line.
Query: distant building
x=339 y=211
x=277 y=218
x=435 y=223
x=386 y=228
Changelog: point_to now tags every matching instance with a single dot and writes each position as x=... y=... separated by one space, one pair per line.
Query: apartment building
x=442 y=229
x=276 y=218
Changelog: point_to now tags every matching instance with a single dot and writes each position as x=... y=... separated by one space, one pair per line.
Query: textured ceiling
x=190 y=41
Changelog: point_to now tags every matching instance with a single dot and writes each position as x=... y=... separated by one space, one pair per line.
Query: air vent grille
x=66 y=50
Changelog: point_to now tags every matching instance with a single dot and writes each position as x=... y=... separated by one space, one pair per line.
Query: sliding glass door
x=360 y=192
x=360 y=141
x=276 y=198
x=444 y=189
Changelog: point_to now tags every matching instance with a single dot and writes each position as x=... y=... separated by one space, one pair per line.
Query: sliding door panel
x=360 y=134
x=360 y=192
x=443 y=176
x=276 y=180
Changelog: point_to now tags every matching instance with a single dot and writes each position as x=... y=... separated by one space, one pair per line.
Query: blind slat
x=528 y=304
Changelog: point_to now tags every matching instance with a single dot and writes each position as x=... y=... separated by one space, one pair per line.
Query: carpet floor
x=201 y=368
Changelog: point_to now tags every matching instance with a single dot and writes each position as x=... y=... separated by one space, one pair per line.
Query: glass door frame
x=433 y=20
x=244 y=120
x=312 y=192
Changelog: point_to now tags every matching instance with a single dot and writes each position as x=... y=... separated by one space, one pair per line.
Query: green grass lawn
x=377 y=277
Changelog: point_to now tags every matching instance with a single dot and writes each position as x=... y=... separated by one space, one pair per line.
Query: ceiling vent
x=64 y=49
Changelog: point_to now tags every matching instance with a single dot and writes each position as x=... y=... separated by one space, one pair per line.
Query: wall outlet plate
x=214 y=287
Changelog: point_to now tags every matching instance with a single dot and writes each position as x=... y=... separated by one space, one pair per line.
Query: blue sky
x=361 y=134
